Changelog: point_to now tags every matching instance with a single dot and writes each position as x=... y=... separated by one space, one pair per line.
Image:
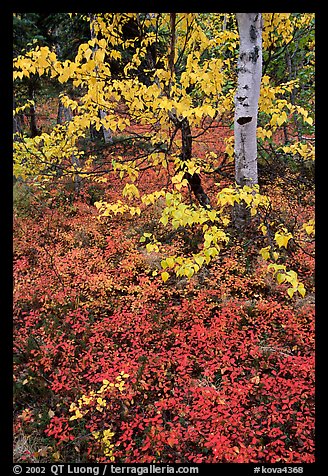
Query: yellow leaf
x=164 y=264
x=275 y=255
x=263 y=229
x=281 y=278
x=90 y=65
x=88 y=53
x=150 y=247
x=165 y=276
x=290 y=292
x=56 y=456
x=265 y=252
x=189 y=272
x=170 y=262
x=102 y=43
x=253 y=211
x=309 y=229
x=130 y=191
x=301 y=289
x=99 y=56
x=282 y=239
x=164 y=219
x=212 y=215
x=282 y=118
x=199 y=260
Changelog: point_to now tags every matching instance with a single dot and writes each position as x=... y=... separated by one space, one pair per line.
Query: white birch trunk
x=247 y=97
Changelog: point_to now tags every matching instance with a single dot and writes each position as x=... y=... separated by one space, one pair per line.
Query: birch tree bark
x=246 y=106
x=247 y=97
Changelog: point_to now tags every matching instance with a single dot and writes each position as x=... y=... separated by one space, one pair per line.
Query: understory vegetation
x=216 y=368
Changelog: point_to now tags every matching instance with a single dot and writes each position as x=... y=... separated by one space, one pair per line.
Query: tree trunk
x=65 y=114
x=292 y=75
x=247 y=97
x=17 y=129
x=246 y=102
x=194 y=180
x=107 y=133
x=33 y=127
x=172 y=51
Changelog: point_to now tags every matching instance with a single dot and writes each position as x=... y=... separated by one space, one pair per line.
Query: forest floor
x=113 y=364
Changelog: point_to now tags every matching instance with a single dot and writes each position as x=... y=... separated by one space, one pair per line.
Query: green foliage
x=21 y=199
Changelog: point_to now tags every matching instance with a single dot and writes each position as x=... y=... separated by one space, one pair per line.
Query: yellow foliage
x=282 y=238
x=209 y=70
x=309 y=227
